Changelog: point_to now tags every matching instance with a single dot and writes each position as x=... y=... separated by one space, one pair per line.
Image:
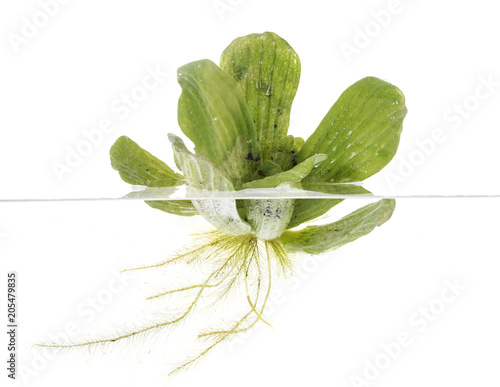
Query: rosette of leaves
x=237 y=115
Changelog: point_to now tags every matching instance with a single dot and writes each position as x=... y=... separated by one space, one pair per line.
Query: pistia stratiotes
x=237 y=115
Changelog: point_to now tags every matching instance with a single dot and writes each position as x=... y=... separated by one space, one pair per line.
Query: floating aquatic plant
x=237 y=115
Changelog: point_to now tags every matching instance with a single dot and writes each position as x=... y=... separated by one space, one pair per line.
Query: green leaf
x=333 y=188
x=269 y=168
x=285 y=154
x=293 y=175
x=268 y=71
x=139 y=167
x=202 y=174
x=213 y=113
x=309 y=209
x=319 y=239
x=268 y=217
x=176 y=207
x=360 y=134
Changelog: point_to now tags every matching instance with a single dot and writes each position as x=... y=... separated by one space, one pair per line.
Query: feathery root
x=241 y=260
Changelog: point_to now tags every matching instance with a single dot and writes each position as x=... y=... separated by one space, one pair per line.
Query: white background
x=66 y=78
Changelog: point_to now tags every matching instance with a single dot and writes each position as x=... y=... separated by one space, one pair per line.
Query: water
x=424 y=282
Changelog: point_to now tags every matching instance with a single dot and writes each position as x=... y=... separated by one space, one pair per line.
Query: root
x=235 y=259
x=215 y=242
x=182 y=290
x=281 y=257
x=259 y=315
x=222 y=335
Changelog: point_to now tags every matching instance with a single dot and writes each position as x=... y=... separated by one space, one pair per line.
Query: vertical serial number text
x=11 y=324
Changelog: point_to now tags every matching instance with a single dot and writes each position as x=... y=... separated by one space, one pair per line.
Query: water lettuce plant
x=237 y=116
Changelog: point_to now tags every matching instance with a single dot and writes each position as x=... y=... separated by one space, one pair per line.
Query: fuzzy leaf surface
x=360 y=134
x=213 y=113
x=139 y=167
x=293 y=175
x=309 y=209
x=176 y=207
x=202 y=174
x=268 y=71
x=319 y=239
x=268 y=217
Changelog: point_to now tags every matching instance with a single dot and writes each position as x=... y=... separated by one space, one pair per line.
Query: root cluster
x=235 y=261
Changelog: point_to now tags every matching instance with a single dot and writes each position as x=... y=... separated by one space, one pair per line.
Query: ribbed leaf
x=309 y=209
x=293 y=175
x=319 y=239
x=334 y=188
x=269 y=217
x=285 y=154
x=176 y=207
x=139 y=167
x=202 y=174
x=268 y=71
x=213 y=113
x=360 y=134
